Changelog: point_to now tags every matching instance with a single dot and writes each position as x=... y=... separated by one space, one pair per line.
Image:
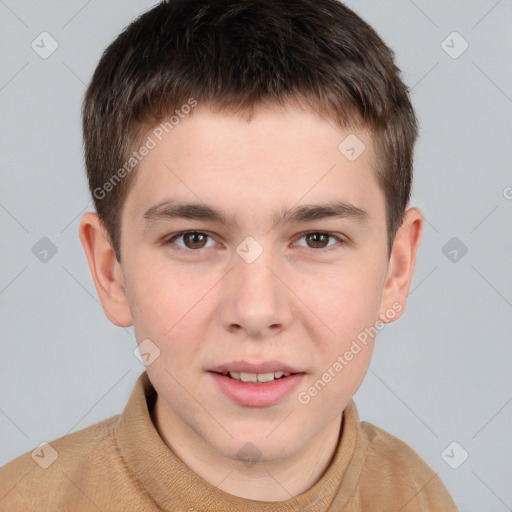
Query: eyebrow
x=169 y=209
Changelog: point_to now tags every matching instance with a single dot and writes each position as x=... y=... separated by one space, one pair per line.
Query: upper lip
x=263 y=367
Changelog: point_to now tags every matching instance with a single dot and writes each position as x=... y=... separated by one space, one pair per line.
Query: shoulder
x=395 y=476
x=390 y=452
x=38 y=476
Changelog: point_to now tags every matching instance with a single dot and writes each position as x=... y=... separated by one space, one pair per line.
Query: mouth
x=258 y=378
x=262 y=372
x=256 y=385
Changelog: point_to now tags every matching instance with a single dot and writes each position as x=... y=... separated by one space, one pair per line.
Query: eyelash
x=176 y=236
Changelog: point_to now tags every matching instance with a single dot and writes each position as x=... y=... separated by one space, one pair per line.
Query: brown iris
x=197 y=240
x=316 y=238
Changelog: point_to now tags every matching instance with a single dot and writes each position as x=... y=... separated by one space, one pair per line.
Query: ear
x=105 y=269
x=401 y=266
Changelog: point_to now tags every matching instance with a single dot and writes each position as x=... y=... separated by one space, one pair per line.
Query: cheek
x=170 y=308
x=345 y=300
x=156 y=299
x=348 y=303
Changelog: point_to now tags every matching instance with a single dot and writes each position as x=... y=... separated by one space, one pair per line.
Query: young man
x=251 y=166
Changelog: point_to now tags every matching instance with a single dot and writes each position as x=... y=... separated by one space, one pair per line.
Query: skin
x=296 y=303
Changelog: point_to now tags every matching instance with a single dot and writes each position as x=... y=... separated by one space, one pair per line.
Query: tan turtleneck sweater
x=122 y=464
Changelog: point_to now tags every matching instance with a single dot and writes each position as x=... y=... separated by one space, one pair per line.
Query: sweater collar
x=174 y=486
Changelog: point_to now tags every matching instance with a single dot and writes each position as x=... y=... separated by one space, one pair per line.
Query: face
x=269 y=287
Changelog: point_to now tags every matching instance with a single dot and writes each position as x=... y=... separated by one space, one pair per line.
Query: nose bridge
x=256 y=297
x=253 y=264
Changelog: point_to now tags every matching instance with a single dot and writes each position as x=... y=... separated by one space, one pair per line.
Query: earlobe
x=105 y=270
x=401 y=265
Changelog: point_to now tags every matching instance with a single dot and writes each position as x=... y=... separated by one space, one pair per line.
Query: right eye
x=193 y=240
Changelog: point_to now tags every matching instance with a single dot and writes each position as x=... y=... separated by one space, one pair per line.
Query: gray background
x=440 y=374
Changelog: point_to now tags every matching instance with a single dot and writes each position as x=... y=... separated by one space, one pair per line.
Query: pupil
x=194 y=237
x=315 y=236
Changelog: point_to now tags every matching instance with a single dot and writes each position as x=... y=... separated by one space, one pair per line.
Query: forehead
x=285 y=132
x=279 y=158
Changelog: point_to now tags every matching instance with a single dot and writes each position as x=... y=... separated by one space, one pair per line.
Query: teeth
x=265 y=377
x=248 y=377
x=258 y=377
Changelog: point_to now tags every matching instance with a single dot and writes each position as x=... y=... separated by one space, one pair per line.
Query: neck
x=276 y=480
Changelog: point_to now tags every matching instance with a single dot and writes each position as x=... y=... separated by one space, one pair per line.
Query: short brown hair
x=237 y=55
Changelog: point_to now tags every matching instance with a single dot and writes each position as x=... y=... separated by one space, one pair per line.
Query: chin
x=252 y=451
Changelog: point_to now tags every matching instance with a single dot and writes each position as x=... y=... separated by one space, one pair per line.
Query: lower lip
x=257 y=395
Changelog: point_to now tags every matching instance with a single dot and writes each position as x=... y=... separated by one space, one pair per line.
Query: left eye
x=195 y=240
x=318 y=238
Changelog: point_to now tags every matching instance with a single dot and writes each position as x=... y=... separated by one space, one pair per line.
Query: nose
x=255 y=300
